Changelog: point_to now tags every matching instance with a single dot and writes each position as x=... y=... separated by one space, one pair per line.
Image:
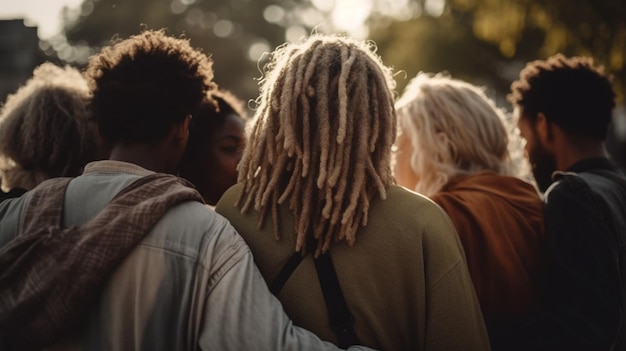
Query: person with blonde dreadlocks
x=316 y=177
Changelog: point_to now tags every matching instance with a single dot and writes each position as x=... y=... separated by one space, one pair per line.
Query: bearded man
x=564 y=108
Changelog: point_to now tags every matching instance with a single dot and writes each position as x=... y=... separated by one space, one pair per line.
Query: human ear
x=544 y=129
x=182 y=130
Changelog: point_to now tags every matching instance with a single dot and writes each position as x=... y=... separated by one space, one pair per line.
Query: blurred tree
x=442 y=45
x=486 y=42
x=574 y=27
x=489 y=41
x=234 y=32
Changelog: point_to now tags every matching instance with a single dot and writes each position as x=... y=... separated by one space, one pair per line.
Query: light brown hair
x=44 y=128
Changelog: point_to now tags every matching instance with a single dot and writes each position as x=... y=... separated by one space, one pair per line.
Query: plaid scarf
x=50 y=275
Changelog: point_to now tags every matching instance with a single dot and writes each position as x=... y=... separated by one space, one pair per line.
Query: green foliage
x=485 y=42
x=489 y=41
x=440 y=45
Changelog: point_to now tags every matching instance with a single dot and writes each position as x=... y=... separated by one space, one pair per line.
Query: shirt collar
x=110 y=166
x=592 y=163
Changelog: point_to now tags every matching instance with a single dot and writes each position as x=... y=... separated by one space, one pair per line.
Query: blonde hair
x=454 y=129
x=322 y=138
x=44 y=129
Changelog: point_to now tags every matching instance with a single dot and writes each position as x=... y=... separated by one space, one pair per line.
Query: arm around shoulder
x=241 y=313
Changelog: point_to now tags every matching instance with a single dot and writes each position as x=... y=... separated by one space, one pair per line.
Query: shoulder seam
x=454 y=267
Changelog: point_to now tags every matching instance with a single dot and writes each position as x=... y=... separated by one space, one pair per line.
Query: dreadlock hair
x=146 y=83
x=44 y=128
x=571 y=92
x=322 y=138
x=454 y=129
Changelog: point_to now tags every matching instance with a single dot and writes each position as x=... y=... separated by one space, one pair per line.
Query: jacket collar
x=591 y=164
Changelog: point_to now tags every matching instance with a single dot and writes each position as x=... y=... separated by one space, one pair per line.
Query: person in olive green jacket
x=315 y=178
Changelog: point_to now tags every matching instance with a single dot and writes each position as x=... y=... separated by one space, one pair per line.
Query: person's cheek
x=233 y=164
x=229 y=165
x=403 y=169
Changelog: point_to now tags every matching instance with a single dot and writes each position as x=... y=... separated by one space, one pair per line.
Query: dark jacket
x=581 y=297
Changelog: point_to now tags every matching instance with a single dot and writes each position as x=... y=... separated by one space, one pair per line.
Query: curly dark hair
x=144 y=84
x=571 y=92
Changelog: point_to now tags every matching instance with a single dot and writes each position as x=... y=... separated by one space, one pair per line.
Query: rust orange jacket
x=500 y=223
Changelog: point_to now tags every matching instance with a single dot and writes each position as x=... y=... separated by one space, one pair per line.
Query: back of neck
x=145 y=155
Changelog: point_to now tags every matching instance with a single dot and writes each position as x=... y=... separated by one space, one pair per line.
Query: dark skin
x=162 y=157
x=214 y=169
x=545 y=139
x=542 y=162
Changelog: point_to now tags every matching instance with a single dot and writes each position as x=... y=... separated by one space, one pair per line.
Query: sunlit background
x=485 y=42
x=349 y=16
x=46 y=14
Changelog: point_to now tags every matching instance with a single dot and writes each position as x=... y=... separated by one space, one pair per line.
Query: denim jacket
x=191 y=284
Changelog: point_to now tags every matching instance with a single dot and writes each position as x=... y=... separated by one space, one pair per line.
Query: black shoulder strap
x=285 y=273
x=339 y=316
